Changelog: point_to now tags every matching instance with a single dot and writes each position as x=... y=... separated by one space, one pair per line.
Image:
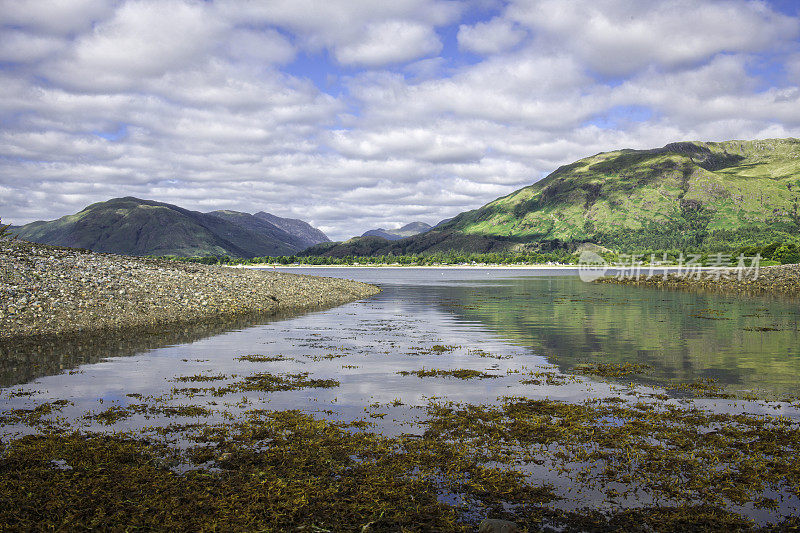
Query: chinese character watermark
x=592 y=266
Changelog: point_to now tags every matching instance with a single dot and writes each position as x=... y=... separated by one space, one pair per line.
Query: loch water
x=505 y=323
x=523 y=319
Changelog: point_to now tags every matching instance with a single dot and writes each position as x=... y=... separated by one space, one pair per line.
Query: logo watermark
x=592 y=266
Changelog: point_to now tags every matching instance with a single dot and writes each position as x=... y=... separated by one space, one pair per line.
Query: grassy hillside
x=676 y=196
x=688 y=195
x=143 y=227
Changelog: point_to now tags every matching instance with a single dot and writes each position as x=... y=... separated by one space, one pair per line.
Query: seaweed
x=287 y=470
x=460 y=373
x=258 y=358
x=612 y=370
x=200 y=377
x=266 y=382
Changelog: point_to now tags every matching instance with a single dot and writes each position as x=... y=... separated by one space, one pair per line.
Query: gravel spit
x=48 y=291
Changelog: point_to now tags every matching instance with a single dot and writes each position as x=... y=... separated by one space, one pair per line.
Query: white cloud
x=492 y=37
x=22 y=47
x=426 y=69
x=54 y=16
x=522 y=89
x=421 y=143
x=218 y=83
x=393 y=41
x=352 y=30
x=620 y=36
x=56 y=146
x=720 y=90
x=263 y=46
x=144 y=39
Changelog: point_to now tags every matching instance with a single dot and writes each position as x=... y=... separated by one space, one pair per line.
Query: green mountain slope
x=684 y=195
x=683 y=192
x=143 y=227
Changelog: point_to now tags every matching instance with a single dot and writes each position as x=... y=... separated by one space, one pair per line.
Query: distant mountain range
x=686 y=195
x=309 y=234
x=143 y=227
x=296 y=233
x=413 y=228
x=711 y=195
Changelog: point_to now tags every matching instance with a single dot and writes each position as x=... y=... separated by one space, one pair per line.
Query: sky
x=358 y=114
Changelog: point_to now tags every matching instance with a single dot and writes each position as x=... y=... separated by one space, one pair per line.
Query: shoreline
x=770 y=280
x=780 y=280
x=457 y=267
x=51 y=292
x=539 y=267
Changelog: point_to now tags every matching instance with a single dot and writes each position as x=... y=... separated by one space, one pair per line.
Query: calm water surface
x=743 y=343
x=525 y=320
x=504 y=322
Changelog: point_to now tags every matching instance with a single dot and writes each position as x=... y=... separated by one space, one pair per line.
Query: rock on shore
x=771 y=280
x=50 y=291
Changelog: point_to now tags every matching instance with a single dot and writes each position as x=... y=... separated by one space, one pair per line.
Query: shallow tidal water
x=511 y=325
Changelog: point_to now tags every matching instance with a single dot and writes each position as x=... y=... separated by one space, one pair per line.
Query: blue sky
x=360 y=114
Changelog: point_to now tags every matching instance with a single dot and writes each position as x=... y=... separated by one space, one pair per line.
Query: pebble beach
x=48 y=291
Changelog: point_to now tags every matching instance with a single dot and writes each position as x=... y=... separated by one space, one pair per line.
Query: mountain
x=413 y=228
x=261 y=227
x=308 y=234
x=442 y=222
x=144 y=227
x=712 y=195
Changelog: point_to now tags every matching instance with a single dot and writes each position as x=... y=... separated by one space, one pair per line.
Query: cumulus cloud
x=617 y=37
x=719 y=90
x=22 y=47
x=61 y=17
x=420 y=143
x=352 y=29
x=394 y=41
x=524 y=88
x=492 y=37
x=144 y=39
x=263 y=46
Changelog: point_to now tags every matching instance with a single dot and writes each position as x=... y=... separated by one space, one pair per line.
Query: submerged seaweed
x=612 y=370
x=460 y=373
x=266 y=382
x=286 y=470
